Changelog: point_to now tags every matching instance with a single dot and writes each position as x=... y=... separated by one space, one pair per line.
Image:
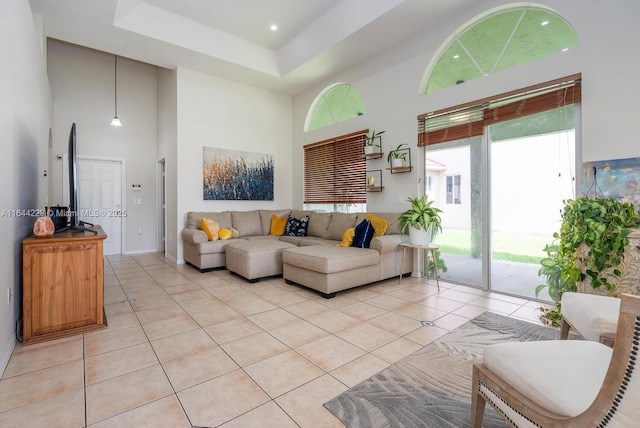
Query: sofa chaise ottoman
x=330 y=269
x=324 y=267
x=255 y=259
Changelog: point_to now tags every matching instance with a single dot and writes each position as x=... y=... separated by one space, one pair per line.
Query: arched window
x=336 y=103
x=495 y=41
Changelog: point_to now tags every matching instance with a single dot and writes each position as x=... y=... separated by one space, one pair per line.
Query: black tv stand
x=79 y=228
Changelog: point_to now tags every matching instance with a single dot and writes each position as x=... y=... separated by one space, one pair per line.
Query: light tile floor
x=210 y=349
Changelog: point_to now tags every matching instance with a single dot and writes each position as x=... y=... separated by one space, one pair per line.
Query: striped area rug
x=432 y=387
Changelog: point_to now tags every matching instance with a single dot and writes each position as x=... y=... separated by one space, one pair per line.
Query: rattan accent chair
x=563 y=383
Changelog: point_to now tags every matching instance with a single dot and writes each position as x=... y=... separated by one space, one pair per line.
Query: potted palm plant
x=370 y=144
x=422 y=220
x=397 y=157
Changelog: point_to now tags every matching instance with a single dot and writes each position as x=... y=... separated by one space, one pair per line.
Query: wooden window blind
x=452 y=125
x=469 y=120
x=520 y=106
x=335 y=170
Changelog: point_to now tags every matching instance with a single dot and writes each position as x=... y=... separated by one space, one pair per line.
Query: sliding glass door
x=501 y=194
x=453 y=180
x=532 y=170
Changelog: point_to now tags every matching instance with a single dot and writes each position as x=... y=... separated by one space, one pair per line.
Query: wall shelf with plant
x=399 y=160
x=373 y=145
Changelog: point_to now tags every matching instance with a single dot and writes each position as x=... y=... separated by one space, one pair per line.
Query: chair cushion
x=247 y=222
x=214 y=247
x=339 y=223
x=319 y=224
x=563 y=376
x=591 y=315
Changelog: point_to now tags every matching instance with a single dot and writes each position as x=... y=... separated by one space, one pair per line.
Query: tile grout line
x=252 y=291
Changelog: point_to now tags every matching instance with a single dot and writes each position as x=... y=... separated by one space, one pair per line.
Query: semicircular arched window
x=336 y=103
x=497 y=41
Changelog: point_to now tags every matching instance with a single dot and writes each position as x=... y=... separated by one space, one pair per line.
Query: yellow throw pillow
x=379 y=224
x=224 y=234
x=347 y=237
x=277 y=225
x=210 y=227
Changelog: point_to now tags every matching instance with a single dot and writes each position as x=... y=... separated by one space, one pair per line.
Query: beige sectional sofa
x=313 y=260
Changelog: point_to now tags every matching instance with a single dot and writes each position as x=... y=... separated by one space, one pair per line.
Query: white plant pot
x=396 y=163
x=369 y=149
x=419 y=236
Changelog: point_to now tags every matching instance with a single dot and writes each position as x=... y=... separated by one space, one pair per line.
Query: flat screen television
x=75 y=224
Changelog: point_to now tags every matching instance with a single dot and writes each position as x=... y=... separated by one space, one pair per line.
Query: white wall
x=167 y=115
x=82 y=85
x=25 y=119
x=219 y=113
x=607 y=58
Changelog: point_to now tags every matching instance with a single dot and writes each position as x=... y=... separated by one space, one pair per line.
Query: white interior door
x=100 y=199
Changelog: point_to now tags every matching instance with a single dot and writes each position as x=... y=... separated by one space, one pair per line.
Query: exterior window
x=497 y=40
x=428 y=184
x=453 y=189
x=335 y=174
x=335 y=104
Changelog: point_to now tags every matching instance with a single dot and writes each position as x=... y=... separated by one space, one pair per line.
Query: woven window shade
x=469 y=120
x=335 y=170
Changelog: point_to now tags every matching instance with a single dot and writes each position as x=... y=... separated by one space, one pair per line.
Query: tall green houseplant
x=593 y=237
x=589 y=247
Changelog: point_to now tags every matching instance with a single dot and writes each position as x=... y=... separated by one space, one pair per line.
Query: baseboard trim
x=136 y=252
x=4 y=362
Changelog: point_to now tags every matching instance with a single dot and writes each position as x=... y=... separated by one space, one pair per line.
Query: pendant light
x=115 y=121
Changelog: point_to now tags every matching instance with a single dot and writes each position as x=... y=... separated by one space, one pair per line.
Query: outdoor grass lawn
x=517 y=247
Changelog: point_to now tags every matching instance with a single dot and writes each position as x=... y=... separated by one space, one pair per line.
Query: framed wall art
x=236 y=175
x=615 y=179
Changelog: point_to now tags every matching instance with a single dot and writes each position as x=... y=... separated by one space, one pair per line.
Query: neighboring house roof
x=432 y=165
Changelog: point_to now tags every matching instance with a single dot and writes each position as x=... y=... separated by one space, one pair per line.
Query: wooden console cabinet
x=63 y=285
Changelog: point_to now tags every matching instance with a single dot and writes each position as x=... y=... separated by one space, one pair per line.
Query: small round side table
x=428 y=249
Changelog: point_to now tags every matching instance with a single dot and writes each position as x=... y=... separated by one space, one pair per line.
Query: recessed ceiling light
x=273 y=27
x=544 y=23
